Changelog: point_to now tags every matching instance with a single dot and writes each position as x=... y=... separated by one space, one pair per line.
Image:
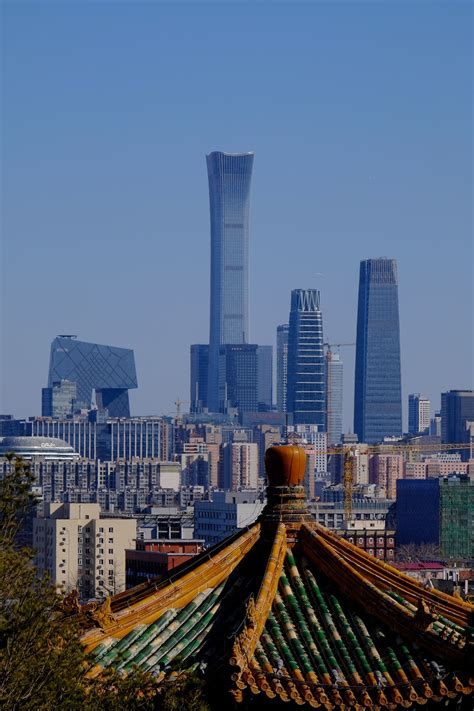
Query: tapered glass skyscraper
x=306 y=398
x=378 y=397
x=229 y=197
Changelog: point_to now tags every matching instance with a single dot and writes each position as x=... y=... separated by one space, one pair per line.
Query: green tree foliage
x=42 y=662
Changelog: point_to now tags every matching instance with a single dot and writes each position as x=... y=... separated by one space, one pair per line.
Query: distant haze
x=360 y=117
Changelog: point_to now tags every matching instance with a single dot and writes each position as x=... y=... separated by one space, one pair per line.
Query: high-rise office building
x=418 y=414
x=59 y=399
x=334 y=389
x=229 y=197
x=435 y=425
x=282 y=365
x=199 y=376
x=457 y=412
x=108 y=370
x=306 y=399
x=378 y=396
x=264 y=377
x=238 y=378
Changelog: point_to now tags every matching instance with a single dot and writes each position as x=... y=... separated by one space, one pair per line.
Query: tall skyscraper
x=282 y=365
x=199 y=376
x=334 y=389
x=378 y=393
x=418 y=414
x=264 y=377
x=108 y=370
x=306 y=398
x=229 y=197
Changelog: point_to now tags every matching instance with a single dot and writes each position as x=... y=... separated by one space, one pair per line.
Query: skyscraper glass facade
x=59 y=400
x=306 y=398
x=457 y=411
x=108 y=370
x=334 y=390
x=282 y=366
x=238 y=378
x=378 y=393
x=418 y=414
x=229 y=177
x=265 y=377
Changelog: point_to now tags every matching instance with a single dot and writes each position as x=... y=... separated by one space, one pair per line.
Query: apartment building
x=80 y=550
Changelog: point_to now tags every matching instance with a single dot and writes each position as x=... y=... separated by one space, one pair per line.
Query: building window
x=111 y=530
x=101 y=530
x=111 y=562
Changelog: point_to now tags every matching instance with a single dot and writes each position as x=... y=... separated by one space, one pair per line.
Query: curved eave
x=207 y=571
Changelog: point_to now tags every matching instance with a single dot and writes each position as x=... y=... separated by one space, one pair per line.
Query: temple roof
x=289 y=610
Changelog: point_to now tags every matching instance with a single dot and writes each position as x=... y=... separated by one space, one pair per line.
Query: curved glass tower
x=229 y=197
x=378 y=390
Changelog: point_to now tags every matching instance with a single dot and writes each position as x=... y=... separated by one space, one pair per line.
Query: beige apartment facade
x=79 y=550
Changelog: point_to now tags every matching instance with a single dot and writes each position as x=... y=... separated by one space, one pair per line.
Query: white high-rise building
x=418 y=414
x=240 y=465
x=79 y=550
x=334 y=390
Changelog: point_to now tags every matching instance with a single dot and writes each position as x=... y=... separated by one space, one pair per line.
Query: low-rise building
x=153 y=558
x=228 y=511
x=371 y=537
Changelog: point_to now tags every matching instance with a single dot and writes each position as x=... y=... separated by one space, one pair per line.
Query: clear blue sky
x=359 y=113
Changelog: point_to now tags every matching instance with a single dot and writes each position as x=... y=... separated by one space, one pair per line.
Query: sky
x=360 y=116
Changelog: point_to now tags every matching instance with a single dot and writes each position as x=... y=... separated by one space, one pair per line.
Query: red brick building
x=157 y=557
x=380 y=544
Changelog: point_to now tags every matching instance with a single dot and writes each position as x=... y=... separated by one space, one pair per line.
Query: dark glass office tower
x=229 y=198
x=265 y=377
x=108 y=370
x=306 y=398
x=457 y=412
x=238 y=378
x=378 y=391
x=58 y=400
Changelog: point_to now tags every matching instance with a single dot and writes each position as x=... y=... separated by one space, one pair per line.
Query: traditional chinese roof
x=288 y=610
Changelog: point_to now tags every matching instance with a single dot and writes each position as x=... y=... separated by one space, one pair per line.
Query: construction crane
x=178 y=404
x=349 y=452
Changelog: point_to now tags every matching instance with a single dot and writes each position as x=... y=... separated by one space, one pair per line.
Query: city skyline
x=136 y=240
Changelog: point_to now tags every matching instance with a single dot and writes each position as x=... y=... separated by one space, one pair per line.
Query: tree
x=42 y=661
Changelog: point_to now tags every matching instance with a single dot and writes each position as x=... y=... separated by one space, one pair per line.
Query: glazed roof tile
x=303 y=629
x=289 y=610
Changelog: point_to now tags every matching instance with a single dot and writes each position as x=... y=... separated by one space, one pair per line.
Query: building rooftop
x=28 y=447
x=288 y=610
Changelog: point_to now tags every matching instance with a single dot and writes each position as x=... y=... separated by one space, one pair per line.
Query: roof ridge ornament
x=285 y=467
